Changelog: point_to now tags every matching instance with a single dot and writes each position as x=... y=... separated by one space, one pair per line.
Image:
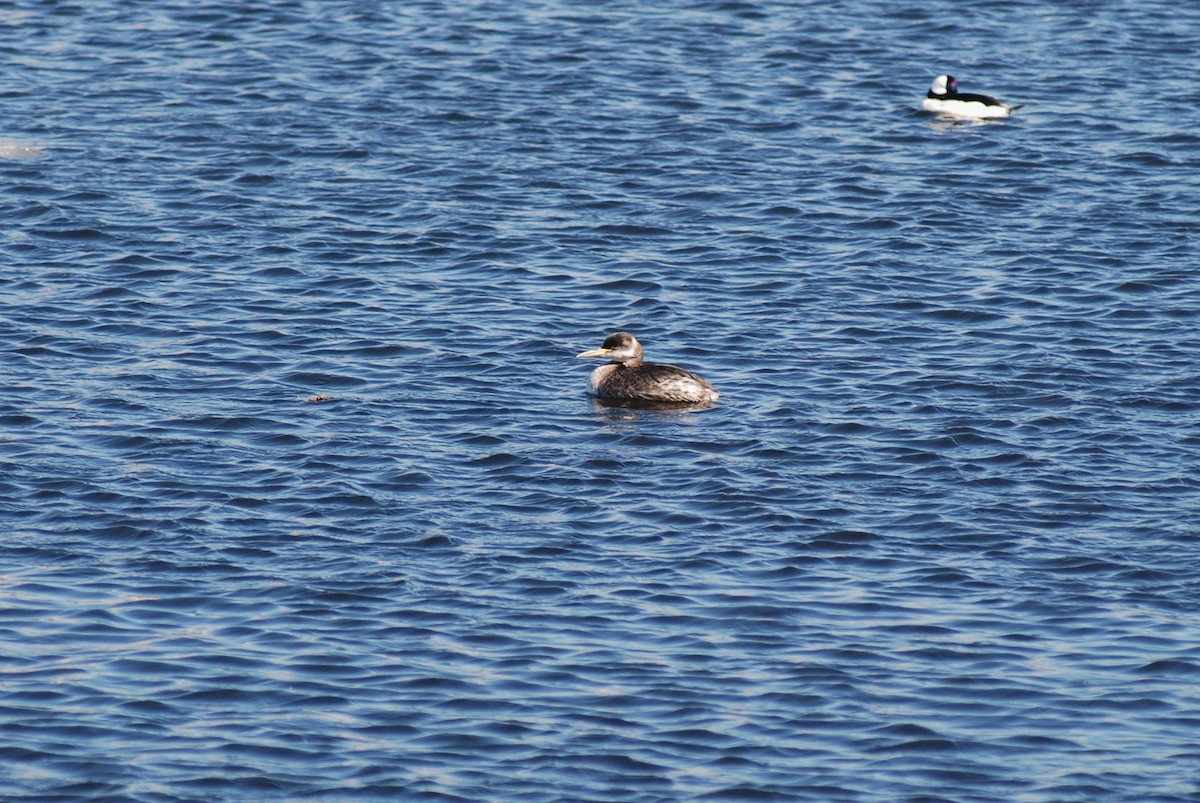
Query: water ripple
x=303 y=497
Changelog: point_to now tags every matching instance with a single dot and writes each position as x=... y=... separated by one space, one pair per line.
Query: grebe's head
x=619 y=347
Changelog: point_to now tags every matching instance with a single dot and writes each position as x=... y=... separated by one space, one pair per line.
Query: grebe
x=627 y=380
x=944 y=97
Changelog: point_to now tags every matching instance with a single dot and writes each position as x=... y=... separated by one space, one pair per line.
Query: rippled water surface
x=303 y=498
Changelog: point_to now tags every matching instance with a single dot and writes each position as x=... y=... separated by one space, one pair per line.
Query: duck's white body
x=944 y=98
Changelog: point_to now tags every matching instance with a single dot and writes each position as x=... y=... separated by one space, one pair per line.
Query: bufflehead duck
x=943 y=97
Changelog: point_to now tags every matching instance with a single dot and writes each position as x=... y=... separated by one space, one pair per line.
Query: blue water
x=303 y=498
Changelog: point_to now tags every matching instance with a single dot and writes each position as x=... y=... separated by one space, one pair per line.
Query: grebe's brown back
x=627 y=379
